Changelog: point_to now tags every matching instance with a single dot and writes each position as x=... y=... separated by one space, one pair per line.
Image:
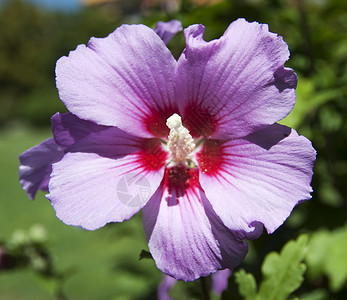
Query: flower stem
x=204 y=288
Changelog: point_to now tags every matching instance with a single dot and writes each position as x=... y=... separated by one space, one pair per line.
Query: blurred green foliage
x=31 y=40
x=327 y=257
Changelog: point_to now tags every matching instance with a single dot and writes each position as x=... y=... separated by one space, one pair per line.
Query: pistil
x=181 y=144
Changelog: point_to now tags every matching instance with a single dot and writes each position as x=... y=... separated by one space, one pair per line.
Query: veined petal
x=166 y=30
x=123 y=80
x=114 y=143
x=36 y=166
x=235 y=85
x=67 y=128
x=90 y=190
x=258 y=179
x=185 y=236
x=79 y=135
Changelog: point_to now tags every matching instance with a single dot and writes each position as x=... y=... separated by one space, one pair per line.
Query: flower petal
x=78 y=135
x=258 y=179
x=36 y=166
x=235 y=85
x=67 y=128
x=185 y=236
x=166 y=30
x=84 y=136
x=89 y=190
x=123 y=80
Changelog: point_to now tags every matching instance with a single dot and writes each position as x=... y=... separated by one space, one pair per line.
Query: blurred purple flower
x=166 y=30
x=193 y=142
x=165 y=286
x=219 y=282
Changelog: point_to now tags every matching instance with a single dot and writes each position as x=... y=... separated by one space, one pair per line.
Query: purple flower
x=164 y=287
x=219 y=281
x=166 y=30
x=194 y=143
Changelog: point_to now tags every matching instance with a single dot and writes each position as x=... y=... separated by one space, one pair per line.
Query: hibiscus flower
x=198 y=136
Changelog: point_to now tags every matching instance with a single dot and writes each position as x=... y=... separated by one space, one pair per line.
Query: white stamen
x=181 y=143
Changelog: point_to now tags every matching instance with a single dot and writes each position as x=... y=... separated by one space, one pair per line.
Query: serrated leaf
x=283 y=273
x=247 y=284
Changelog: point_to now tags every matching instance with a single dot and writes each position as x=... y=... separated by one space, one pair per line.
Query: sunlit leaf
x=247 y=284
x=283 y=273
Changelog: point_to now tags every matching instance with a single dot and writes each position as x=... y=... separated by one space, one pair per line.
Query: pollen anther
x=181 y=144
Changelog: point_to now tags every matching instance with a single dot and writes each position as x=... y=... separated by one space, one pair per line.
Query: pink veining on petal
x=261 y=179
x=211 y=157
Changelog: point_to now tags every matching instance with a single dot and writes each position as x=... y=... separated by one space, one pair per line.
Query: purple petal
x=165 y=286
x=123 y=80
x=185 y=236
x=220 y=281
x=67 y=128
x=85 y=136
x=90 y=190
x=258 y=179
x=166 y=30
x=91 y=185
x=36 y=166
x=235 y=85
x=111 y=142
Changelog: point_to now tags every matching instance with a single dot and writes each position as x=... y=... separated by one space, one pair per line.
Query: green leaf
x=327 y=256
x=247 y=284
x=283 y=273
x=317 y=294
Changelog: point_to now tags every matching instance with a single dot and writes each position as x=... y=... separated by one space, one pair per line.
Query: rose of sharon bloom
x=201 y=131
